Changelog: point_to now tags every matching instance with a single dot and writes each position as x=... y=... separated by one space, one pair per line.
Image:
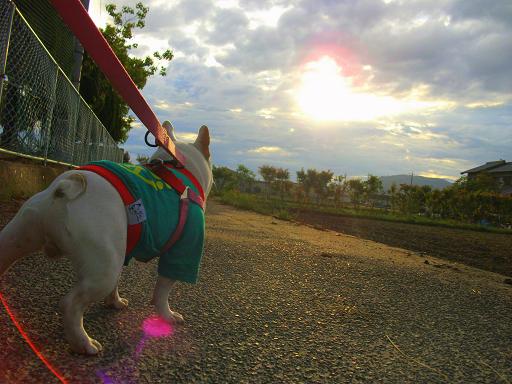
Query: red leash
x=78 y=20
x=38 y=353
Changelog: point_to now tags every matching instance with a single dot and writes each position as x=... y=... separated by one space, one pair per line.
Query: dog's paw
x=121 y=303
x=87 y=346
x=177 y=318
x=173 y=317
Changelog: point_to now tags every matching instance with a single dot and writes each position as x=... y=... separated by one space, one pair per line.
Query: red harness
x=161 y=169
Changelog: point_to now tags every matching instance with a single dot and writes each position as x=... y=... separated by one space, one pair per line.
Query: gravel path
x=276 y=303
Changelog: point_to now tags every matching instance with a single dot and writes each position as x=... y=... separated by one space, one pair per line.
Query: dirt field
x=489 y=251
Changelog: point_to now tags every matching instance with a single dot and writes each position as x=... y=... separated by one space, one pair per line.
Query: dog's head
x=197 y=155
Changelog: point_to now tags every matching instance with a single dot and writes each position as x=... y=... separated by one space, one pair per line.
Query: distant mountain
x=434 y=182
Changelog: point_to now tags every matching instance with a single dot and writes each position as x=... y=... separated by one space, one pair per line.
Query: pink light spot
x=156 y=327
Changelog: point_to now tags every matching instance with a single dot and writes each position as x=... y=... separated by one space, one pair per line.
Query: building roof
x=507 y=167
x=486 y=167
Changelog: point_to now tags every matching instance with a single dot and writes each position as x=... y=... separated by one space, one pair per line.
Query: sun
x=325 y=94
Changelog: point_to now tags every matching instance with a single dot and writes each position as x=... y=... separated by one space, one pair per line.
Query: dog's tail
x=25 y=233
x=70 y=187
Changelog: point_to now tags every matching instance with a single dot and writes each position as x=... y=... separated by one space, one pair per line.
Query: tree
x=322 y=180
x=245 y=177
x=356 y=191
x=482 y=182
x=338 y=186
x=108 y=105
x=283 y=183
x=277 y=179
x=372 y=186
x=126 y=157
x=305 y=181
x=393 y=194
x=317 y=181
x=269 y=175
x=414 y=199
x=224 y=179
x=142 y=159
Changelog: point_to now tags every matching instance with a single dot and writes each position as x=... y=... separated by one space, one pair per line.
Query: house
x=500 y=170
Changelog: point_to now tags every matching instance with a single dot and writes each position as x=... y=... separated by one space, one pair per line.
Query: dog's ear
x=170 y=130
x=203 y=141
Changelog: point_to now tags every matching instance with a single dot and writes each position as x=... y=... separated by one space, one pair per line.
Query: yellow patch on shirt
x=154 y=182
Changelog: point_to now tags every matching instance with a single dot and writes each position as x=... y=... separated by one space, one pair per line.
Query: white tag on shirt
x=136 y=212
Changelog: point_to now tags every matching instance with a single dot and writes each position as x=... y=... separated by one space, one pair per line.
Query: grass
x=254 y=203
x=286 y=210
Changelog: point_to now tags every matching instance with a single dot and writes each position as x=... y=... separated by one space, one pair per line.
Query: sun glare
x=326 y=95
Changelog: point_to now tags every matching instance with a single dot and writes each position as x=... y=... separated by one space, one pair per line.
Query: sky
x=358 y=87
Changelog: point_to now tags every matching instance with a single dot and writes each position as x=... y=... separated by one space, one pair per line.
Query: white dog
x=82 y=216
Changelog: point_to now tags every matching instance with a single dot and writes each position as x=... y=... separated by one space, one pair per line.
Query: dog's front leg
x=161 y=300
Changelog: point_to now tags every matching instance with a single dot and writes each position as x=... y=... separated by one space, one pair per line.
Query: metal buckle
x=156 y=162
x=147 y=142
x=174 y=163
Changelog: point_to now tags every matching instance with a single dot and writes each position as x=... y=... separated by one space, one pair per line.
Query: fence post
x=50 y=114
x=3 y=75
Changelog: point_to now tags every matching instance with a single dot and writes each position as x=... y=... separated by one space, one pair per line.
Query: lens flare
x=105 y=379
x=156 y=327
x=152 y=327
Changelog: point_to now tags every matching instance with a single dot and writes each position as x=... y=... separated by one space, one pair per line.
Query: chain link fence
x=41 y=113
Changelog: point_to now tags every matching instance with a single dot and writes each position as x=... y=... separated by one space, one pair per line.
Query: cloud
x=227 y=26
x=188 y=137
x=238 y=66
x=267 y=150
x=484 y=104
x=432 y=173
x=137 y=125
x=412 y=130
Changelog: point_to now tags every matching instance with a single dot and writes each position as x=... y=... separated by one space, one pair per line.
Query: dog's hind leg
x=92 y=286
x=161 y=300
x=74 y=305
x=113 y=300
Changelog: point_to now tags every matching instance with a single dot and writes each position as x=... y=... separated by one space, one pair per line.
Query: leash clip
x=147 y=142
